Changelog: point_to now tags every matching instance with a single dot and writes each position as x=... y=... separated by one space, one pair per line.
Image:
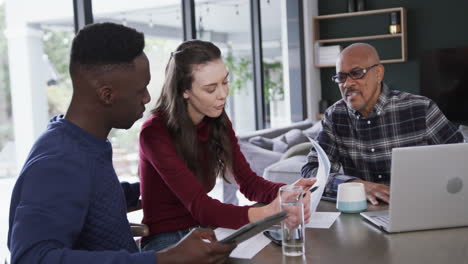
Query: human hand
x=306 y=183
x=376 y=192
x=257 y=213
x=296 y=213
x=306 y=201
x=199 y=246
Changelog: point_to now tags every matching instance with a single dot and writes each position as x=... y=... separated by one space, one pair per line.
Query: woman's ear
x=186 y=95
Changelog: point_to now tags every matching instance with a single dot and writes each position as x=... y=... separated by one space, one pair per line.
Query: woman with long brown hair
x=186 y=144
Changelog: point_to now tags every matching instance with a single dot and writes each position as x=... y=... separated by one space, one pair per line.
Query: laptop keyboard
x=383 y=220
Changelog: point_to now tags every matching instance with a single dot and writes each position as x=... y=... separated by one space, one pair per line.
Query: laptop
x=428 y=190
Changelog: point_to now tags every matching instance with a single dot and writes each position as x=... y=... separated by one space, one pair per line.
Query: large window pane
x=161 y=22
x=276 y=80
x=34 y=79
x=227 y=24
x=34 y=83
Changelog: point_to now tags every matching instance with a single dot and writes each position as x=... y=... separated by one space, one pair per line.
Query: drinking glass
x=293 y=226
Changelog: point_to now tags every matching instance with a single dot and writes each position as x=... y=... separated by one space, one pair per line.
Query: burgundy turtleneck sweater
x=174 y=199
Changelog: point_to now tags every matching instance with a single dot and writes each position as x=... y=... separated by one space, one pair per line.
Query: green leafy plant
x=273 y=88
x=241 y=71
x=57 y=48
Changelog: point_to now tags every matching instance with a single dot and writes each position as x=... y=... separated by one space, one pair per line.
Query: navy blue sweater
x=68 y=206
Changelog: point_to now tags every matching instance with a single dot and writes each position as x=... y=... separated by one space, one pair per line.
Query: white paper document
x=247 y=249
x=322 y=176
x=322 y=219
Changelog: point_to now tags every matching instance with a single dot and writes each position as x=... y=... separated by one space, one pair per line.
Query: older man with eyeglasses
x=360 y=130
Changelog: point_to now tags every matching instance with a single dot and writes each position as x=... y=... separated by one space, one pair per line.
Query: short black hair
x=105 y=44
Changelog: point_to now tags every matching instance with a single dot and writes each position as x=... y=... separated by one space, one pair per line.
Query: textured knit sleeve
x=52 y=198
x=158 y=149
x=328 y=141
x=254 y=187
x=439 y=130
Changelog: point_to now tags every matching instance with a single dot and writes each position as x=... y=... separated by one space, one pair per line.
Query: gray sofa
x=278 y=154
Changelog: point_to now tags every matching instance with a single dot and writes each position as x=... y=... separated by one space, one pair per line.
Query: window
x=40 y=39
x=227 y=24
x=34 y=80
x=283 y=62
x=34 y=83
x=161 y=22
x=275 y=79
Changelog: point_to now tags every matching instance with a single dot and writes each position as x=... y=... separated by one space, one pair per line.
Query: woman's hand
x=306 y=183
x=257 y=213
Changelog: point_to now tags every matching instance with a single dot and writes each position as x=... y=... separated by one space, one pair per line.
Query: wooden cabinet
x=318 y=41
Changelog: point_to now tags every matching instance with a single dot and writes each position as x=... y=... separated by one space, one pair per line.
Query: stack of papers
x=320 y=219
x=322 y=176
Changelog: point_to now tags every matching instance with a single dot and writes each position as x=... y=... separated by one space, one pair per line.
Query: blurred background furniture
x=278 y=154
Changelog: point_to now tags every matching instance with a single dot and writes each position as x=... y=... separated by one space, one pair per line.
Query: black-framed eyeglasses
x=355 y=74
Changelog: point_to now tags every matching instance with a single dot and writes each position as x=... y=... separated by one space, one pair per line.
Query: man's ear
x=380 y=73
x=105 y=94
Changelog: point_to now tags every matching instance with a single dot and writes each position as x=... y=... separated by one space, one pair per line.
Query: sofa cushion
x=274 y=132
x=301 y=149
x=285 y=171
x=257 y=157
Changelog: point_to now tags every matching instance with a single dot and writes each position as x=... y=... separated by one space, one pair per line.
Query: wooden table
x=351 y=239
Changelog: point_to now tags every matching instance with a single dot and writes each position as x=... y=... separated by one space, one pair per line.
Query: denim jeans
x=163 y=240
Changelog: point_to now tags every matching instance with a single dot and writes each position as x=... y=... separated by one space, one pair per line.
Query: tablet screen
x=251 y=229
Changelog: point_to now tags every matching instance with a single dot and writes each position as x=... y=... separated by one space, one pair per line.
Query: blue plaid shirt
x=363 y=145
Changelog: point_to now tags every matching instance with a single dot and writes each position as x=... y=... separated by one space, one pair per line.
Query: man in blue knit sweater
x=67 y=205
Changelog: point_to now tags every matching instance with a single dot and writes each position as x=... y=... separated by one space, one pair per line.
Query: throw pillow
x=263 y=142
x=294 y=137
x=301 y=149
x=291 y=138
x=257 y=157
x=314 y=130
x=279 y=144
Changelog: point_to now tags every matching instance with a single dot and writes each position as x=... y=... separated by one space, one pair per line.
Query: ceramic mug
x=351 y=197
